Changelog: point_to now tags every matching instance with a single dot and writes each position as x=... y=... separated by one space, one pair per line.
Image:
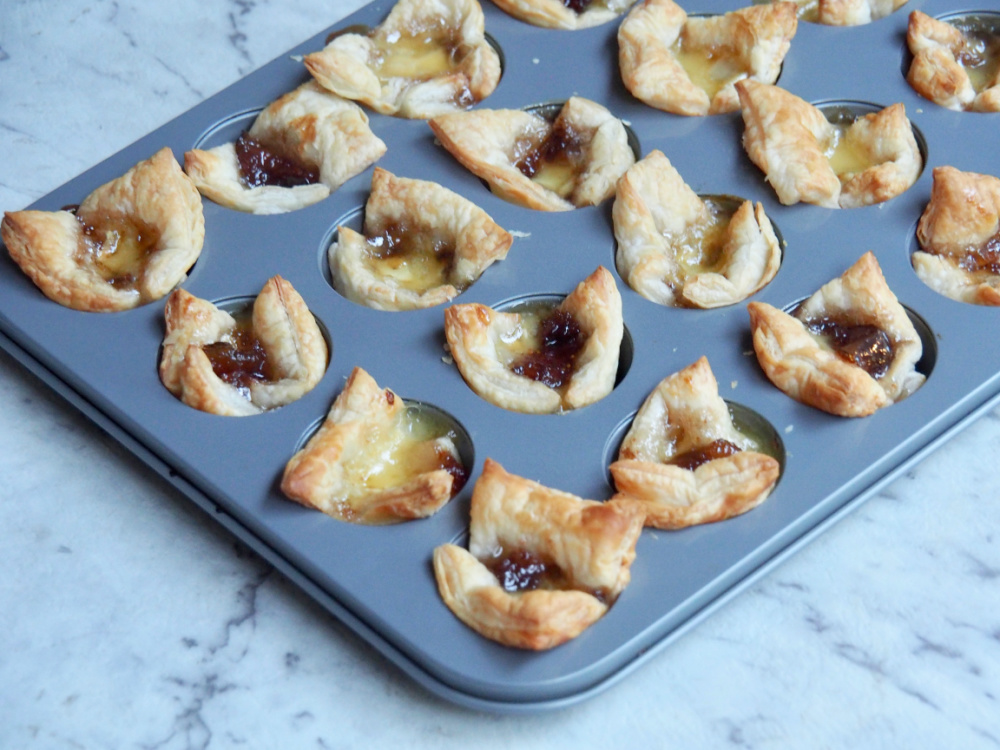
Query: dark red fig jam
x=692 y=459
x=560 y=145
x=260 y=166
x=577 y=6
x=867 y=346
x=241 y=360
x=459 y=474
x=553 y=363
x=519 y=570
x=985 y=258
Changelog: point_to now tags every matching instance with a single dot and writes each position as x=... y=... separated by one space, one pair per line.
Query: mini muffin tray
x=379 y=580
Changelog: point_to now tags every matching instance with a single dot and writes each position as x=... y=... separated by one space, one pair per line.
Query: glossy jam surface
x=545 y=345
x=556 y=162
x=240 y=359
x=415 y=260
x=985 y=259
x=419 y=441
x=577 y=6
x=260 y=166
x=118 y=249
x=692 y=459
x=867 y=346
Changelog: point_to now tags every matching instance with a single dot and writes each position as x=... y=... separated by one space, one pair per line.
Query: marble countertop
x=129 y=619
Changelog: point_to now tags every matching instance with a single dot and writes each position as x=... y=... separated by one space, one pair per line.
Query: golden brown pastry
x=807 y=158
x=374 y=460
x=545 y=360
x=959 y=237
x=675 y=248
x=242 y=365
x=954 y=68
x=685 y=461
x=542 y=565
x=550 y=166
x=425 y=58
x=302 y=146
x=569 y=15
x=849 y=349
x=846 y=12
x=688 y=64
x=422 y=245
x=130 y=241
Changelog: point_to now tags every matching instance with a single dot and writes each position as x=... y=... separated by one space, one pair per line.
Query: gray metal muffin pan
x=378 y=580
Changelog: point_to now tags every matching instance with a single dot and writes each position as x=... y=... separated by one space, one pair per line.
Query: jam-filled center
x=556 y=162
x=118 y=248
x=544 y=347
x=866 y=346
x=414 y=259
x=983 y=260
x=417 y=442
x=695 y=457
x=262 y=165
x=240 y=359
x=518 y=570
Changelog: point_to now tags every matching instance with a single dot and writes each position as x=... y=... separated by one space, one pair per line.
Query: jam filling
x=692 y=459
x=554 y=163
x=985 y=258
x=553 y=363
x=260 y=166
x=866 y=346
x=240 y=360
x=519 y=570
x=577 y=6
x=415 y=260
x=118 y=249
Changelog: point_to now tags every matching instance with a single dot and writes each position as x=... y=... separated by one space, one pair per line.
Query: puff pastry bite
x=569 y=15
x=238 y=365
x=422 y=245
x=550 y=166
x=810 y=159
x=542 y=360
x=688 y=65
x=678 y=249
x=375 y=460
x=846 y=12
x=302 y=146
x=685 y=461
x=128 y=243
x=425 y=58
x=955 y=66
x=959 y=237
x=849 y=349
x=542 y=565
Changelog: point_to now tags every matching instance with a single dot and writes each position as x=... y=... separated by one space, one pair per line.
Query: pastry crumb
x=535 y=60
x=447 y=359
x=789 y=428
x=734 y=384
x=516 y=233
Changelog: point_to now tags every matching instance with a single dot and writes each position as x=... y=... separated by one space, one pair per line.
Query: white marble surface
x=129 y=620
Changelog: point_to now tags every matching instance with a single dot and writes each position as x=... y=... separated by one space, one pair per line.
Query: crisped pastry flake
x=422 y=245
x=238 y=365
x=959 y=237
x=542 y=565
x=549 y=166
x=569 y=15
x=687 y=65
x=375 y=460
x=425 y=58
x=130 y=241
x=542 y=360
x=302 y=146
x=849 y=349
x=807 y=158
x=846 y=12
x=955 y=65
x=678 y=249
x=685 y=461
